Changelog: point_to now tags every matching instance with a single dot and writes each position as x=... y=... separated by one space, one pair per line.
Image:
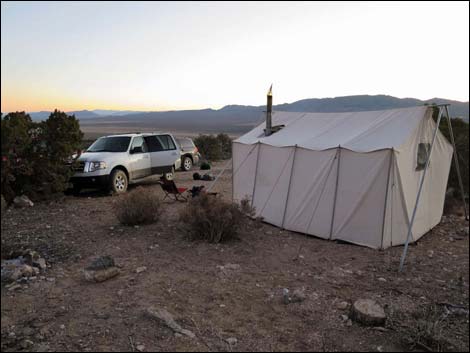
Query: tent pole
x=256 y=174
x=456 y=162
x=336 y=191
x=386 y=198
x=288 y=188
x=232 y=175
x=408 y=237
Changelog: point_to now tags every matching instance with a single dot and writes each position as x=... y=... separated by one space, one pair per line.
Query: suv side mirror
x=137 y=149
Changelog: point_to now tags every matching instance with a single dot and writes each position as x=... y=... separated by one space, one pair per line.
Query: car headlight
x=92 y=166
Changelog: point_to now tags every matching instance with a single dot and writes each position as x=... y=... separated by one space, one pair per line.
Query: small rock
x=298 y=296
x=368 y=312
x=344 y=317
x=101 y=275
x=22 y=202
x=231 y=341
x=381 y=279
x=41 y=263
x=62 y=327
x=141 y=269
x=25 y=344
x=349 y=323
x=342 y=305
x=164 y=316
x=232 y=267
x=380 y=328
x=140 y=347
x=285 y=296
x=430 y=254
x=14 y=287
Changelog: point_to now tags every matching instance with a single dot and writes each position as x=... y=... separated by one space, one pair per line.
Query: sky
x=193 y=55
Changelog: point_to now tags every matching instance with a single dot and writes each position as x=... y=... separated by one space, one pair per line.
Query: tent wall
x=272 y=182
x=311 y=197
x=244 y=165
x=431 y=205
x=360 y=201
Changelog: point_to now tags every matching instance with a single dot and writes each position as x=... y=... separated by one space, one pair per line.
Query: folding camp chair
x=170 y=189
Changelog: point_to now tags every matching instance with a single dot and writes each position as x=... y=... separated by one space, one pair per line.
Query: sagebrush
x=210 y=218
x=140 y=206
x=214 y=147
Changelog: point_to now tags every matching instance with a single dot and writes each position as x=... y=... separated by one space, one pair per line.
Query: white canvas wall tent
x=346 y=176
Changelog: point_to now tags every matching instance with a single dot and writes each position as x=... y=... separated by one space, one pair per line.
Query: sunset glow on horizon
x=193 y=55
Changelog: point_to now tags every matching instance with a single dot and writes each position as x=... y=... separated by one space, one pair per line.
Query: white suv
x=114 y=161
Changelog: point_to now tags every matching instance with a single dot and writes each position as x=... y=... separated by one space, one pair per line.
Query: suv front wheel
x=118 y=181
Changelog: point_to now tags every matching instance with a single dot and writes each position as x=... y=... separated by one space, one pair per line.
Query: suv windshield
x=110 y=144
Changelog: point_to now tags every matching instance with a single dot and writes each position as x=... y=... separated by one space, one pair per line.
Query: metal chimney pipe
x=269 y=110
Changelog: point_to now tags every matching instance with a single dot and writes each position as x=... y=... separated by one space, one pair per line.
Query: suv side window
x=166 y=142
x=154 y=144
x=138 y=141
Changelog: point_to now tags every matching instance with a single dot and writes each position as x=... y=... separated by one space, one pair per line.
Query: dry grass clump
x=140 y=206
x=210 y=218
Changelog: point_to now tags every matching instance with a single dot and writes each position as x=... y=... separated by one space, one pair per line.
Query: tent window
x=423 y=152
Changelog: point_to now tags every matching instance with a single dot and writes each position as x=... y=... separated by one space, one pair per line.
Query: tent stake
x=408 y=237
x=456 y=162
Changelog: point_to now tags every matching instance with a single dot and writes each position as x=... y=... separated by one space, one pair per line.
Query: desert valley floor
x=229 y=295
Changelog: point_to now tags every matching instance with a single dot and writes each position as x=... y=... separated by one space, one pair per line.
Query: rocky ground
x=269 y=290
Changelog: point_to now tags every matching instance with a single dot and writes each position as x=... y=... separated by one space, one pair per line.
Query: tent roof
x=358 y=131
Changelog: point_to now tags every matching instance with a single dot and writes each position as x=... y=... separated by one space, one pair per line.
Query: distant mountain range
x=240 y=118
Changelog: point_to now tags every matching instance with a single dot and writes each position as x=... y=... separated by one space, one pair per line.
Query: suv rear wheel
x=187 y=163
x=118 y=181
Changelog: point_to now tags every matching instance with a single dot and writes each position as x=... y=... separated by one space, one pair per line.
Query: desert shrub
x=460 y=129
x=214 y=147
x=210 y=218
x=34 y=154
x=138 y=207
x=205 y=165
x=427 y=329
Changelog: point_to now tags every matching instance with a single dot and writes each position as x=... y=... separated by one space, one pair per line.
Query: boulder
x=101 y=263
x=368 y=312
x=22 y=202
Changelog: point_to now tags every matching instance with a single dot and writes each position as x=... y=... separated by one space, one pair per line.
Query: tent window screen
x=423 y=152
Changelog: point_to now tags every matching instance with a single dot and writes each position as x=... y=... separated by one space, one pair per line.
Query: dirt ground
x=427 y=305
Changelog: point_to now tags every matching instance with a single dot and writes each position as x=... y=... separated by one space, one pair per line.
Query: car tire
x=169 y=175
x=118 y=181
x=186 y=164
